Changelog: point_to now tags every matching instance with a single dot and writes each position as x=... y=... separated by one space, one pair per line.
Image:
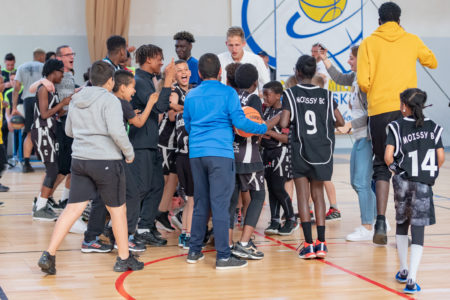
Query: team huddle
x=128 y=140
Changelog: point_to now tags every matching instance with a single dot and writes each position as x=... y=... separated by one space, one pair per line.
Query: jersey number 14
x=428 y=163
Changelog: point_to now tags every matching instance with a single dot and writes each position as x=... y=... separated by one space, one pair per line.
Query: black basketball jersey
x=50 y=122
x=246 y=150
x=167 y=127
x=181 y=135
x=415 y=148
x=312 y=120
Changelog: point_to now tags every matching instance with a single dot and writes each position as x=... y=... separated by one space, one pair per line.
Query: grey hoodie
x=95 y=122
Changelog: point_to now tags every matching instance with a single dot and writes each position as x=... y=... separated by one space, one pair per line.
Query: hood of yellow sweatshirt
x=389 y=31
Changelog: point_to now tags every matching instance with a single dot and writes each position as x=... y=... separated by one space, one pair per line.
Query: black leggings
x=253 y=210
x=51 y=172
x=417 y=232
x=278 y=196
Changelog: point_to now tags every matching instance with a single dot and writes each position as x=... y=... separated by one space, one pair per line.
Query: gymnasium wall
x=50 y=23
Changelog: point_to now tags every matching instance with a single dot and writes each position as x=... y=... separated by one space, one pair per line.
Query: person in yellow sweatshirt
x=386 y=67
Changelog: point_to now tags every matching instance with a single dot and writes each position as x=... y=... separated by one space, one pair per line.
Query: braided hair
x=415 y=99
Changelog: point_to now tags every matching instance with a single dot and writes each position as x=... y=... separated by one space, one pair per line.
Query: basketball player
x=415 y=153
x=314 y=115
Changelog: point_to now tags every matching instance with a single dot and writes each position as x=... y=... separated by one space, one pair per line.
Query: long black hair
x=415 y=99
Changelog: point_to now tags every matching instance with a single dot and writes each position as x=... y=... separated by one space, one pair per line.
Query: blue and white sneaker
x=187 y=239
x=181 y=239
x=307 y=252
x=402 y=276
x=411 y=287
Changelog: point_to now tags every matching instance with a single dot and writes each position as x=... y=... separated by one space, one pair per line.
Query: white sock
x=188 y=234
x=41 y=202
x=402 y=251
x=141 y=231
x=416 y=255
x=65 y=194
x=244 y=244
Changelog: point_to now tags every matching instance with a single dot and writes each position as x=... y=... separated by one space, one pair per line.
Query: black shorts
x=300 y=168
x=413 y=202
x=378 y=133
x=65 y=147
x=251 y=181
x=45 y=144
x=28 y=106
x=277 y=161
x=98 y=177
x=185 y=174
x=169 y=160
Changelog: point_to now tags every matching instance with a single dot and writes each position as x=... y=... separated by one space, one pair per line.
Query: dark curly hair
x=52 y=65
x=146 y=51
x=389 y=12
x=184 y=35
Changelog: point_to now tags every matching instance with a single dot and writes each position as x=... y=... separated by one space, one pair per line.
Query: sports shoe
x=333 y=214
x=3 y=188
x=155 y=231
x=321 y=249
x=402 y=276
x=311 y=214
x=57 y=209
x=63 y=203
x=163 y=219
x=177 y=219
x=150 y=239
x=360 y=234
x=133 y=247
x=247 y=252
x=186 y=242
x=78 y=227
x=230 y=263
x=181 y=238
x=95 y=246
x=273 y=228
x=379 y=236
x=131 y=263
x=194 y=258
x=288 y=228
x=47 y=263
x=44 y=214
x=307 y=252
x=27 y=168
x=411 y=287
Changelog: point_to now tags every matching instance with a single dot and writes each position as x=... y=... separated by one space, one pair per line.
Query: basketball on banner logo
x=323 y=11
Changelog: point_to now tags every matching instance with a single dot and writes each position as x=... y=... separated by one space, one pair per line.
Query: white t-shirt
x=248 y=58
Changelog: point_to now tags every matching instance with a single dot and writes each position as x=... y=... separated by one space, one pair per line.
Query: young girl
x=414 y=152
x=314 y=115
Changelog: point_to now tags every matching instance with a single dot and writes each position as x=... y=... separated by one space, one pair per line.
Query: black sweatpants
x=278 y=196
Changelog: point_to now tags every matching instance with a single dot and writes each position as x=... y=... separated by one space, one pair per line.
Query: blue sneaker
x=187 y=239
x=411 y=287
x=181 y=238
x=321 y=249
x=402 y=276
x=307 y=252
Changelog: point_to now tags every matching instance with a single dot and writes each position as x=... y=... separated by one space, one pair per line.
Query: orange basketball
x=251 y=114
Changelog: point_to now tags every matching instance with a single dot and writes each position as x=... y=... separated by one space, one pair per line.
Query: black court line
x=2 y=294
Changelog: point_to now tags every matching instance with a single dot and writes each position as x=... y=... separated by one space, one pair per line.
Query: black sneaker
x=57 y=209
x=231 y=263
x=47 y=263
x=3 y=188
x=150 y=239
x=248 y=252
x=163 y=219
x=288 y=228
x=411 y=287
x=273 y=228
x=27 y=168
x=131 y=263
x=177 y=219
x=194 y=258
x=402 y=276
x=155 y=231
x=379 y=236
x=333 y=214
x=95 y=246
x=186 y=242
x=63 y=203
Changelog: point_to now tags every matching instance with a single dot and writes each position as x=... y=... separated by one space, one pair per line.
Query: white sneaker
x=360 y=234
x=78 y=227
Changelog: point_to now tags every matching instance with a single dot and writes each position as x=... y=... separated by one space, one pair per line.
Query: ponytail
x=415 y=99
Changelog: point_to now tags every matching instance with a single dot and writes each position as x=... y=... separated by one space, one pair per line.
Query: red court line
x=341 y=268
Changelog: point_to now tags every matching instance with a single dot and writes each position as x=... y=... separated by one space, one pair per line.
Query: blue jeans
x=214 y=180
x=360 y=178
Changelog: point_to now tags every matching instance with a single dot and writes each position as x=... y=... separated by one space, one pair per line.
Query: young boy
x=415 y=153
x=97 y=164
x=276 y=164
x=314 y=115
x=249 y=168
x=124 y=90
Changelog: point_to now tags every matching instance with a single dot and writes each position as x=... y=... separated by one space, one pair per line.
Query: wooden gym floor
x=351 y=270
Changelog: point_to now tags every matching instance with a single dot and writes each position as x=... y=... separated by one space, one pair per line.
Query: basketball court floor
x=352 y=270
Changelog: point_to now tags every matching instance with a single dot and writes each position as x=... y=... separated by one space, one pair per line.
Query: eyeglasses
x=68 y=54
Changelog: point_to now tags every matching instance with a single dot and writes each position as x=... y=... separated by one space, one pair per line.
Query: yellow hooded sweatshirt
x=387 y=66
